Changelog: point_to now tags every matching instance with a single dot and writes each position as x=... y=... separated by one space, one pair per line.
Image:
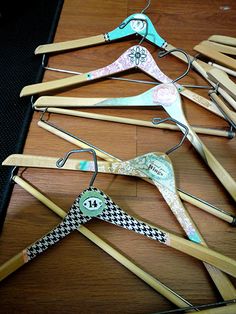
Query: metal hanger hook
x=147 y=6
x=61 y=162
x=162 y=54
x=159 y=120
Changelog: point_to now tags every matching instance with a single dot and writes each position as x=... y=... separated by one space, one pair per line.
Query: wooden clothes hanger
x=158 y=168
x=154 y=283
x=167 y=96
x=135 y=24
x=137 y=57
x=145 y=28
x=217 y=53
x=225 y=40
x=224 y=48
x=12 y=265
x=92 y=202
x=108 y=157
x=113 y=166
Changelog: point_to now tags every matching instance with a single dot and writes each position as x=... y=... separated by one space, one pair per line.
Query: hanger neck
x=138 y=24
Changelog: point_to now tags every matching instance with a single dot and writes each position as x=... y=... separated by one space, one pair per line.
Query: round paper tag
x=92 y=203
x=138 y=25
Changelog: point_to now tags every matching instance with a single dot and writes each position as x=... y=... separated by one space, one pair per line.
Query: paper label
x=138 y=25
x=92 y=203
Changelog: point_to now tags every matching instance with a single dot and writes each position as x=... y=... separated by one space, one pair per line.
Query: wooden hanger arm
x=217 y=56
x=71 y=44
x=225 y=40
x=202 y=68
x=126 y=61
x=202 y=101
x=218 y=76
x=219 y=47
x=224 y=177
x=12 y=265
x=229 y=309
x=31 y=161
x=55 y=101
x=167 y=126
x=229 y=113
x=207 y=255
x=220 y=67
x=53 y=85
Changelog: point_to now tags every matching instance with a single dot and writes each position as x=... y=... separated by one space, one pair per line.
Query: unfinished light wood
x=56 y=101
x=220 y=67
x=225 y=40
x=18 y=261
x=12 y=265
x=229 y=309
x=219 y=47
x=71 y=44
x=218 y=76
x=201 y=101
x=24 y=160
x=166 y=126
x=69 y=138
x=53 y=85
x=175 y=110
x=202 y=68
x=230 y=114
x=217 y=56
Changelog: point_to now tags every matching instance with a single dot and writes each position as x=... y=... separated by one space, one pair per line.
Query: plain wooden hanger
x=94 y=203
x=213 y=53
x=229 y=50
x=202 y=68
x=225 y=40
x=158 y=168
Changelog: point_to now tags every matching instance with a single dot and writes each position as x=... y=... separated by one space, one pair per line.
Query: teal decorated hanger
x=135 y=24
x=138 y=24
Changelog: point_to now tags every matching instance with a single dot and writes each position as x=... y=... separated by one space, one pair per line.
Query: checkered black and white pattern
x=112 y=213
x=115 y=215
x=70 y=223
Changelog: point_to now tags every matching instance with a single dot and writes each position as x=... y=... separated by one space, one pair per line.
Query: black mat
x=24 y=25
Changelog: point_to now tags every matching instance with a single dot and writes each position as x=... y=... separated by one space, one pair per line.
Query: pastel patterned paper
x=158 y=168
x=136 y=56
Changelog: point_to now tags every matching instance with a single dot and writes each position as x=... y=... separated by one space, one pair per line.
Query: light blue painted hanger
x=135 y=24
